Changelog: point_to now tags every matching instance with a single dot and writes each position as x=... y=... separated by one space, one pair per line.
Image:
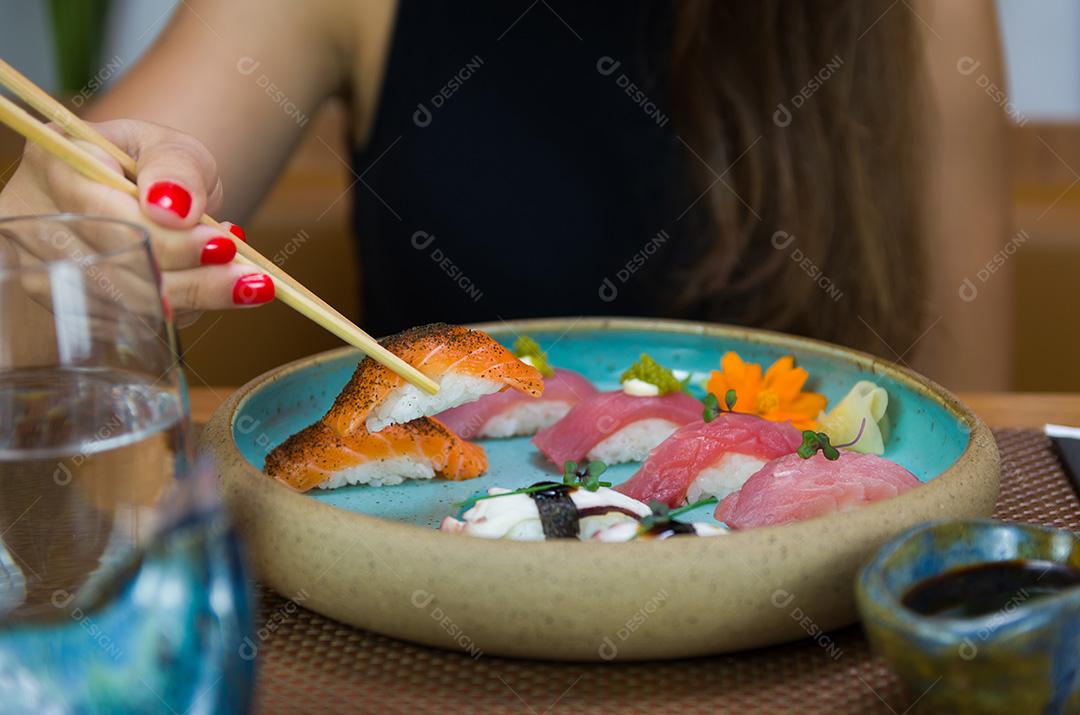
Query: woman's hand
x=178 y=182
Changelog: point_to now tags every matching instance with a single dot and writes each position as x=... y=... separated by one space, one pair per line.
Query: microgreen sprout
x=712 y=405
x=586 y=476
x=815 y=441
x=662 y=514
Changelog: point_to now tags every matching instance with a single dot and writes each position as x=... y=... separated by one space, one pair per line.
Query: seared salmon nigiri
x=318 y=456
x=467 y=364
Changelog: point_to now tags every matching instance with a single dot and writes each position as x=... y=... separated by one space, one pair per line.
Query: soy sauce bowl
x=1022 y=658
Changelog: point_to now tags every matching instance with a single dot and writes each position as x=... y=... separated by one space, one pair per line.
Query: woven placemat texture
x=311 y=664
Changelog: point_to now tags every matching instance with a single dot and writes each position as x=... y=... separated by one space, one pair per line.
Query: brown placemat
x=311 y=664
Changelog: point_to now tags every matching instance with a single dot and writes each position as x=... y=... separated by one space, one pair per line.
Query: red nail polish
x=217 y=251
x=238 y=232
x=253 y=289
x=170 y=196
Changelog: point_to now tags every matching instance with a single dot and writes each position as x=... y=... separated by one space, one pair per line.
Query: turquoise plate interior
x=924 y=436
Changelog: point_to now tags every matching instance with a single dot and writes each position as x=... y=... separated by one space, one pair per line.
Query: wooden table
x=998 y=409
x=309 y=663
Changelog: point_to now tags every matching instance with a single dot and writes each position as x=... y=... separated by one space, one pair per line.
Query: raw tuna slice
x=616 y=427
x=710 y=458
x=792 y=488
x=511 y=413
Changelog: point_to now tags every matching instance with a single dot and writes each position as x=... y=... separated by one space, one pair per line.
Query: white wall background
x=1042 y=47
x=1042 y=54
x=26 y=38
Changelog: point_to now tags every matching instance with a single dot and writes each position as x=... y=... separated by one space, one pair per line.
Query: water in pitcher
x=85 y=456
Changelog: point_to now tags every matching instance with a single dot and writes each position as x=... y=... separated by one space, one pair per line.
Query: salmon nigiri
x=467 y=364
x=421 y=449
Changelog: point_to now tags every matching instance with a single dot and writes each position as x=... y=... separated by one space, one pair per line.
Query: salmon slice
x=467 y=364
x=421 y=449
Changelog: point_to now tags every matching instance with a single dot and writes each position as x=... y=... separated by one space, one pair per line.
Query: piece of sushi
x=319 y=456
x=467 y=364
x=792 y=488
x=629 y=531
x=706 y=459
x=511 y=413
x=561 y=512
x=616 y=427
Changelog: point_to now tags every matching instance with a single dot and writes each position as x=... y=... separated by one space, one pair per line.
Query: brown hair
x=815 y=107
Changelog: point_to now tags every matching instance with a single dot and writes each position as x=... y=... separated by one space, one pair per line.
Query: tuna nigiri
x=616 y=427
x=713 y=458
x=421 y=449
x=511 y=413
x=467 y=364
x=792 y=488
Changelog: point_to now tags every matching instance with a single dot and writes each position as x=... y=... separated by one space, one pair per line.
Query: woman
x=821 y=168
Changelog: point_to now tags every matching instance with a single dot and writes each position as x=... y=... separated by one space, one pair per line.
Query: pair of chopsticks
x=289 y=290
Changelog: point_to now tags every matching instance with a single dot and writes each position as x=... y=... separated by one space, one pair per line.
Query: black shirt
x=523 y=163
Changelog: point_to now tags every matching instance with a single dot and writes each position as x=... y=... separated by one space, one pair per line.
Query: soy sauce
x=987 y=588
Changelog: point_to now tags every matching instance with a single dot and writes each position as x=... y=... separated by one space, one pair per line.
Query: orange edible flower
x=777 y=396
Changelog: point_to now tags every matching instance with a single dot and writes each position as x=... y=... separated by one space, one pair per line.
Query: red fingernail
x=253 y=289
x=217 y=251
x=170 y=196
x=238 y=232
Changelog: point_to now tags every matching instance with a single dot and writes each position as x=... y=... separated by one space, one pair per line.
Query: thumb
x=177 y=177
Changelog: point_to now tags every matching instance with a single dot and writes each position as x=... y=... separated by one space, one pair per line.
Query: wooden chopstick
x=42 y=101
x=290 y=291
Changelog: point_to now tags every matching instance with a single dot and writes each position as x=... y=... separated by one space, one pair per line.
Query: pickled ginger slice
x=858 y=419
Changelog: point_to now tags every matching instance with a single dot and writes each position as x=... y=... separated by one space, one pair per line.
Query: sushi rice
x=526 y=419
x=633 y=442
x=380 y=473
x=408 y=402
x=725 y=476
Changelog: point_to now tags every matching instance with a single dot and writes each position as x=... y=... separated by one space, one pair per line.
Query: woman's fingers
x=174 y=249
x=177 y=177
x=177 y=183
x=217 y=287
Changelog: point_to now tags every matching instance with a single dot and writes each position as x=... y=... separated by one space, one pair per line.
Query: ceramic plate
x=371 y=556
